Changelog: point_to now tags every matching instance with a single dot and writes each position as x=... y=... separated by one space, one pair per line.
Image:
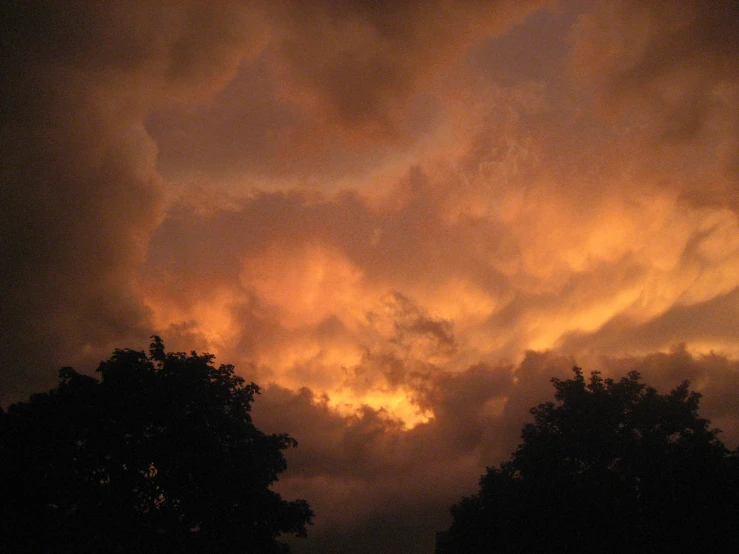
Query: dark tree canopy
x=612 y=466
x=159 y=455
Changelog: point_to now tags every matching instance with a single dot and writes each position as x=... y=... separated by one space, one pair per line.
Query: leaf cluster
x=611 y=466
x=159 y=454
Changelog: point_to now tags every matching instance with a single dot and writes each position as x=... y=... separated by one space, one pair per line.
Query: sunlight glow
x=396 y=405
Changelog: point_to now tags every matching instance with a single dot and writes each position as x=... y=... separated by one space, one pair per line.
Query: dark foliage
x=612 y=466
x=159 y=455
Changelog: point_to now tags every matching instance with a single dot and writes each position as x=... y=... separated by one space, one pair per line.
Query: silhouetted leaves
x=160 y=455
x=612 y=466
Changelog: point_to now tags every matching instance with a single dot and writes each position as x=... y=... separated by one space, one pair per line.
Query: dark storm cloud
x=339 y=88
x=362 y=61
x=671 y=68
x=80 y=193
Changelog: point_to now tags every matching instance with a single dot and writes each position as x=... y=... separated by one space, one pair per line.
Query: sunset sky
x=399 y=218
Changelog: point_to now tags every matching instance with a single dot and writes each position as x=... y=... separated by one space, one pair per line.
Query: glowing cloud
x=399 y=218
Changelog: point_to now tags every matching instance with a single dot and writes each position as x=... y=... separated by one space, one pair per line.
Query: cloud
x=671 y=69
x=337 y=91
x=364 y=473
x=400 y=219
x=371 y=59
x=81 y=192
x=79 y=198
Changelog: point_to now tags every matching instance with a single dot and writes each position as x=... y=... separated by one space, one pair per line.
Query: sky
x=400 y=219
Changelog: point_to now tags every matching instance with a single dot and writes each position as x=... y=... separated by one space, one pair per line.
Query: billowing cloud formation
x=400 y=218
x=80 y=190
x=381 y=488
x=671 y=67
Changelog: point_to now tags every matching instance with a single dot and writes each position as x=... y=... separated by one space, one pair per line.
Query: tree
x=159 y=455
x=612 y=466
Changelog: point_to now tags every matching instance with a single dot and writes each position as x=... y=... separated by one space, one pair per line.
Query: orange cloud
x=401 y=219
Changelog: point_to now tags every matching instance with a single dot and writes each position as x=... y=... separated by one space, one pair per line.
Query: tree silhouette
x=612 y=466
x=159 y=455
